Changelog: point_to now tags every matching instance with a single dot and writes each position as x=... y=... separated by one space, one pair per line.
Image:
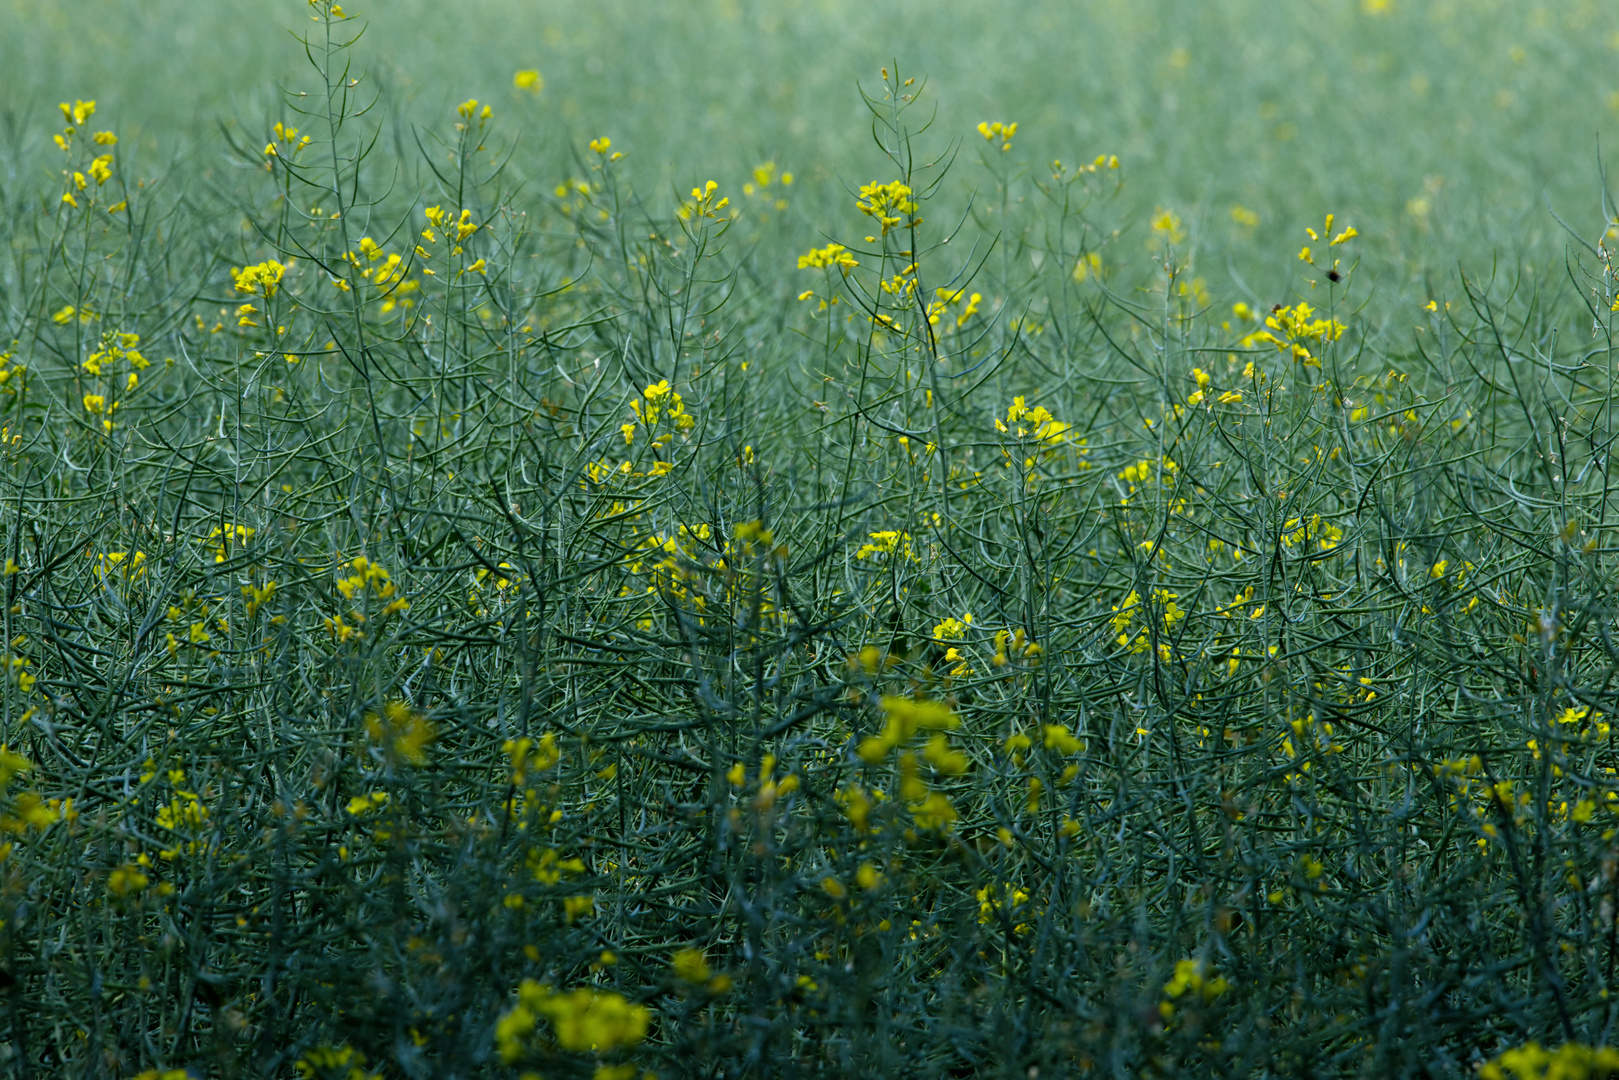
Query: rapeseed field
x=809 y=539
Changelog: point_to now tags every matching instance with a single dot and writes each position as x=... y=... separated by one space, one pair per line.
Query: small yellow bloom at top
x=690 y=965
x=467 y=108
x=530 y=80
x=998 y=131
x=1305 y=255
x=831 y=255
x=126 y=880
x=78 y=112
x=601 y=145
x=106 y=138
x=1167 y=225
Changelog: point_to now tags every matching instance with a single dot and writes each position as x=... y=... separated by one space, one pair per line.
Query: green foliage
x=472 y=612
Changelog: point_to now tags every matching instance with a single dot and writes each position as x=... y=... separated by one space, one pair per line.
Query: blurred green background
x=1419 y=120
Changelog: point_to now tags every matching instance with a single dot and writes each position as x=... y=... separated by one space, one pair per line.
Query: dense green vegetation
x=666 y=541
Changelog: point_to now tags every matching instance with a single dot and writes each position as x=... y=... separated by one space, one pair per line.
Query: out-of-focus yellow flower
x=583 y=1020
x=998 y=132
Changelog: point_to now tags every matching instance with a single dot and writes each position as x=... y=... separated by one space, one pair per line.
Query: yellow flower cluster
x=469 y=109
x=390 y=276
x=691 y=966
x=1131 y=609
x=225 y=538
x=1006 y=901
x=1014 y=645
x=953 y=629
x=583 y=1020
x=526 y=756
x=888 y=203
x=906 y=716
x=1036 y=423
x=763 y=176
x=334 y=1062
x=186 y=814
x=1166 y=227
x=831 y=255
x=116 y=347
x=402 y=732
x=99 y=168
x=26 y=810
x=658 y=406
x=1349 y=233
x=1190 y=982
x=286 y=136
x=705 y=202
x=361 y=805
x=1201 y=394
x=1297 y=531
x=998 y=132
x=363 y=572
x=263 y=278
x=1571 y=1061
x=1292 y=329
x=944 y=299
x=887 y=542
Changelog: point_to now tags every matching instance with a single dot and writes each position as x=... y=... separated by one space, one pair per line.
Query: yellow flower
x=1532 y=1062
x=401 y=731
x=78 y=113
x=530 y=80
x=943 y=757
x=1060 y=739
x=582 y=1019
x=690 y=965
x=263 y=278
x=126 y=880
x=1189 y=978
x=997 y=131
x=361 y=805
x=1166 y=225
x=888 y=203
x=705 y=203
x=831 y=255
